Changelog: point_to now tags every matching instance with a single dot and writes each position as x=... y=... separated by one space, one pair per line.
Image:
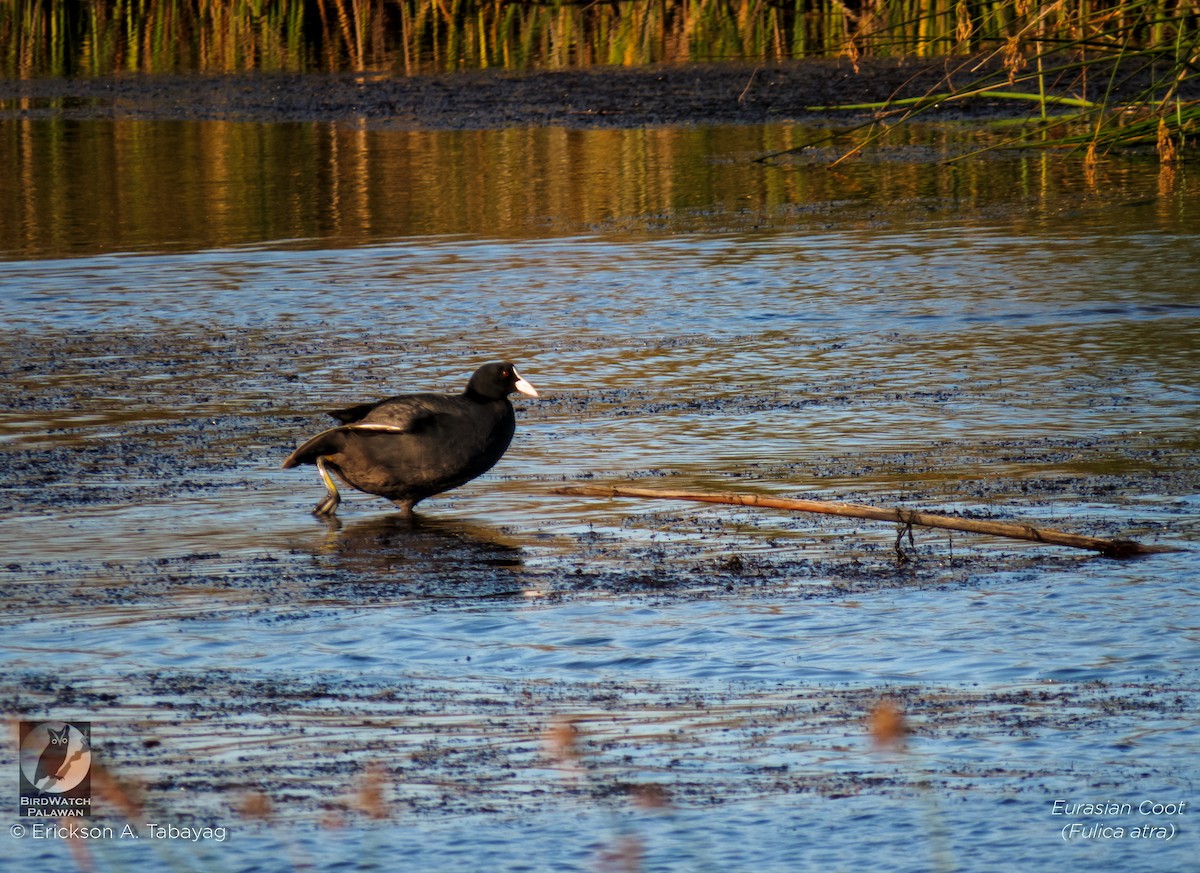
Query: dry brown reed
x=886 y=725
x=371 y=797
x=40 y=37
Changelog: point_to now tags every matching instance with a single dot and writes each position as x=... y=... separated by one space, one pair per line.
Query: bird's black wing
x=406 y=413
x=409 y=414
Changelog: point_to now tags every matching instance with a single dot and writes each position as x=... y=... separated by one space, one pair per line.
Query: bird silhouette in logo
x=53 y=756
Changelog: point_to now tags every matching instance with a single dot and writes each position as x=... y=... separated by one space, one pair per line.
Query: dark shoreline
x=728 y=93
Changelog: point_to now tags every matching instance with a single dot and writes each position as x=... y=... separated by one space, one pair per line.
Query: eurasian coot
x=411 y=447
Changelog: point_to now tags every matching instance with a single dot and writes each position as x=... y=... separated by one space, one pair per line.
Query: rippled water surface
x=997 y=337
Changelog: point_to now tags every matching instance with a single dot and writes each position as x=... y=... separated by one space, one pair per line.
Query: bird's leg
x=329 y=505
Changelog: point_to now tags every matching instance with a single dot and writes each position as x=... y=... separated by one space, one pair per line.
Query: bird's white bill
x=523 y=386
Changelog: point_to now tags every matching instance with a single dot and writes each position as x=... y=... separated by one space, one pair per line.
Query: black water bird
x=413 y=446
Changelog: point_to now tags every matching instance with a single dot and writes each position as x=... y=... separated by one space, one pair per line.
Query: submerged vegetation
x=1120 y=72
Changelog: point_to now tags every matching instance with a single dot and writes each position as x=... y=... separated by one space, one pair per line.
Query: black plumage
x=413 y=446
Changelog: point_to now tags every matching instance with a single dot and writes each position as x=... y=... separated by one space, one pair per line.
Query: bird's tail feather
x=325 y=443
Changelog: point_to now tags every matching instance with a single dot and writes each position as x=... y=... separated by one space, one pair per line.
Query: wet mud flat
x=725 y=93
x=264 y=745
x=211 y=747
x=129 y=418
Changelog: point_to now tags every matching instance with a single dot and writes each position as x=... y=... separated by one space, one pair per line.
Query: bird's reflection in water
x=424 y=556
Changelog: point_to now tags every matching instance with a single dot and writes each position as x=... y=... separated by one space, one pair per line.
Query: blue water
x=939 y=363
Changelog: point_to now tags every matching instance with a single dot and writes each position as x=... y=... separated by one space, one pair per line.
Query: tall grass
x=1114 y=74
x=53 y=37
x=1128 y=69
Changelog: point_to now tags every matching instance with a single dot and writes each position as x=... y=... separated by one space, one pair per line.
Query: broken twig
x=908 y=517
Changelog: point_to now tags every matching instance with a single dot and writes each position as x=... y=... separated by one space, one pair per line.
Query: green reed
x=1115 y=74
x=53 y=37
x=1064 y=50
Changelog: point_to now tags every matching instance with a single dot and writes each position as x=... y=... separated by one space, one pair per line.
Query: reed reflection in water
x=83 y=187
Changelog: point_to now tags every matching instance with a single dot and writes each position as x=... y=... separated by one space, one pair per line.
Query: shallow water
x=995 y=337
